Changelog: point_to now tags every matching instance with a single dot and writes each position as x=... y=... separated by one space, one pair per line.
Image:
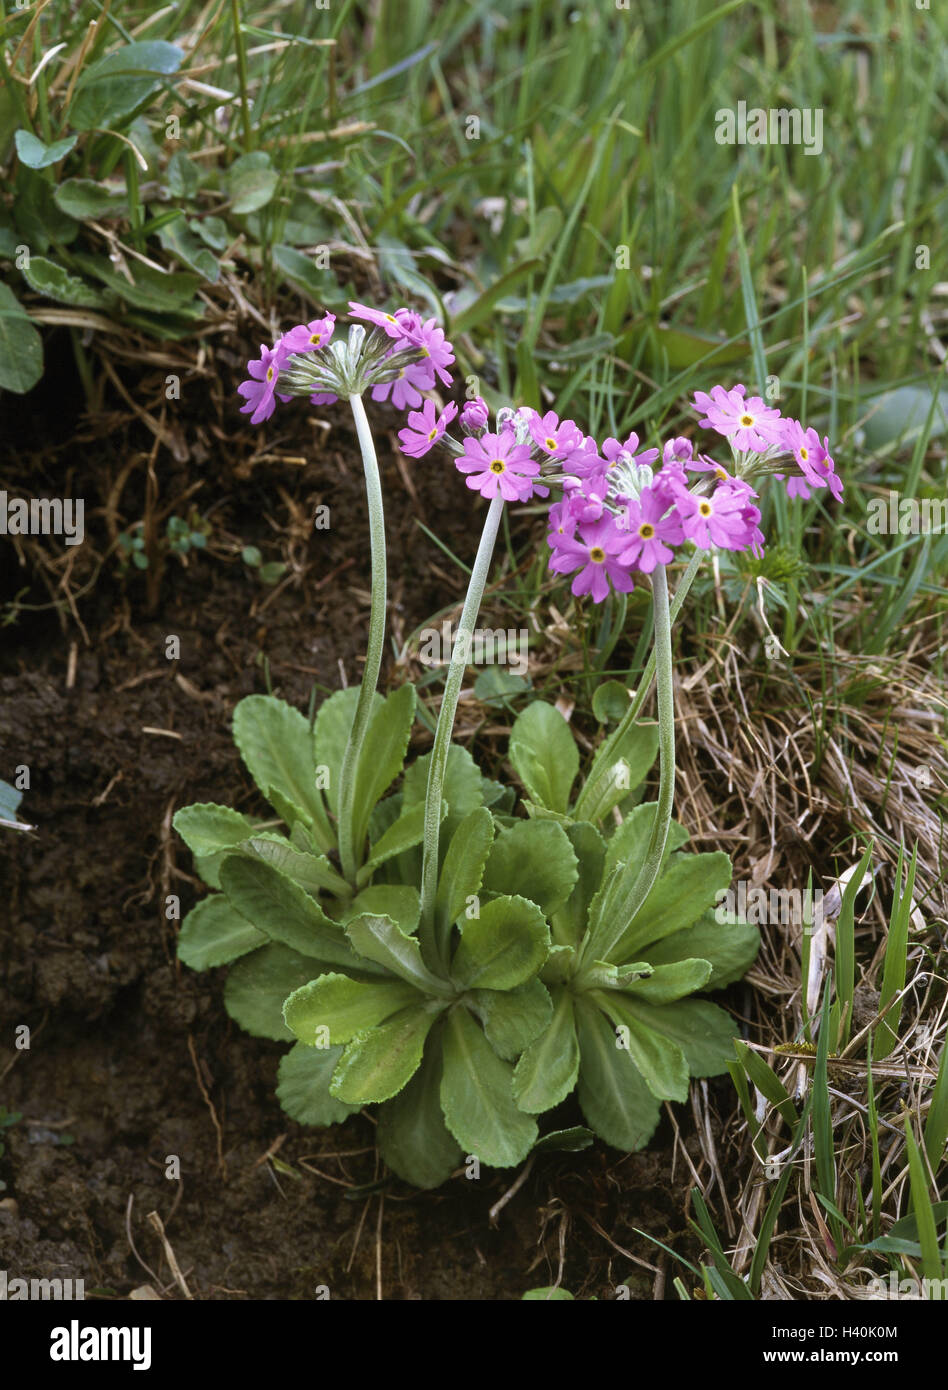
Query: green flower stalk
x=345 y=369
x=348 y=851
x=626 y=899
x=628 y=721
x=435 y=952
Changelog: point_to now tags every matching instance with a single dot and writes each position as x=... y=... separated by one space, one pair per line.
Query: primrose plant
x=433 y=952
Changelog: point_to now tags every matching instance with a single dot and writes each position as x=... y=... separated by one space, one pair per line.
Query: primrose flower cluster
x=619 y=509
x=400 y=359
x=622 y=509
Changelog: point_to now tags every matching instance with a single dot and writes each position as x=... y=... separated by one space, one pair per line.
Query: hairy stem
x=433 y=950
x=621 y=905
x=625 y=724
x=350 y=853
x=648 y=675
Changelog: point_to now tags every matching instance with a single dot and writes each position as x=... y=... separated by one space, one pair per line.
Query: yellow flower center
x=551 y=444
x=498 y=466
x=720 y=473
x=315 y=339
x=433 y=434
x=704 y=508
x=597 y=554
x=804 y=453
x=269 y=374
x=646 y=530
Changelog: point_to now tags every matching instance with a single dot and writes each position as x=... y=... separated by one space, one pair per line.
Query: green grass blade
x=922 y=1207
x=893 y=972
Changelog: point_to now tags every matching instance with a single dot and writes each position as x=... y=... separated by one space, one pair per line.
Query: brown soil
x=132 y=1058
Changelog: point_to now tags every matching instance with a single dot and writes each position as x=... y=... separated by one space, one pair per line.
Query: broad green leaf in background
x=569 y=921
x=545 y=227
x=497 y=686
x=659 y=1061
x=610 y=701
x=183 y=175
x=467 y=315
x=158 y=291
x=251 y=181
x=319 y=286
x=544 y=755
x=21 y=347
x=382 y=940
x=375 y=1066
x=547 y=1071
x=109 y=90
x=730 y=947
x=566 y=1141
x=512 y=1018
x=275 y=743
x=303 y=1081
x=213 y=231
x=412 y=1137
x=214 y=933
x=331 y=734
x=39 y=220
x=207 y=828
x=534 y=859
x=404 y=832
x=462 y=788
x=344 y=1007
x=703 y=1031
x=181 y=241
x=627 y=845
x=313 y=872
x=477 y=1097
x=463 y=868
x=283 y=911
x=620 y=765
x=502 y=947
x=382 y=755
x=32 y=151
x=688 y=886
x=47 y=278
x=670 y=982
x=614 y=1099
x=679 y=348
x=84 y=198
x=258 y=984
x=399 y=901
x=900 y=416
x=397 y=265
